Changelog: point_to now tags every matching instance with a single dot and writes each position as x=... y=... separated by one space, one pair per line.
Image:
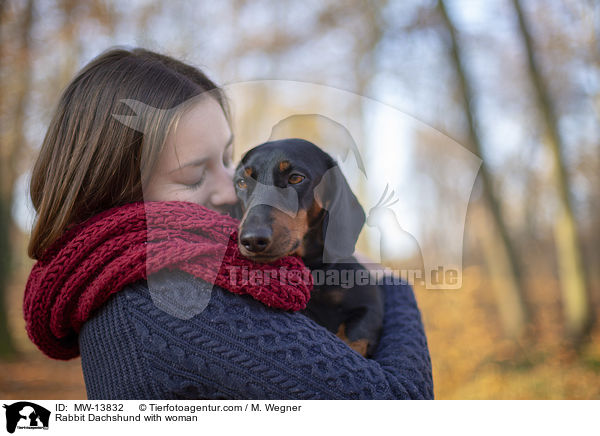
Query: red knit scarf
x=123 y=245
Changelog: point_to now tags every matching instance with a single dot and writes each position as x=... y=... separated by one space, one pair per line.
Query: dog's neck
x=313 y=254
x=314 y=247
x=313 y=242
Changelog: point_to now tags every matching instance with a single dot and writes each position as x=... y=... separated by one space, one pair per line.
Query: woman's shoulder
x=175 y=336
x=173 y=297
x=165 y=306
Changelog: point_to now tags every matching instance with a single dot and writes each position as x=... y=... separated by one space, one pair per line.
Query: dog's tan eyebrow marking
x=248 y=171
x=284 y=165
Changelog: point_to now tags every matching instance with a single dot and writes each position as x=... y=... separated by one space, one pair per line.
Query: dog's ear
x=345 y=216
x=235 y=210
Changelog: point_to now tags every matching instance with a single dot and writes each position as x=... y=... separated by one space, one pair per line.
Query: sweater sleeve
x=237 y=348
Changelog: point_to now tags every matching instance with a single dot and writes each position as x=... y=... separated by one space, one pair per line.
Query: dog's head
x=295 y=200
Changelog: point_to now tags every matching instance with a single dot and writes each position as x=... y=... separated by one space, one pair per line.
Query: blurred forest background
x=516 y=82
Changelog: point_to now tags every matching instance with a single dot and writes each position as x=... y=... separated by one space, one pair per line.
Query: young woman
x=133 y=183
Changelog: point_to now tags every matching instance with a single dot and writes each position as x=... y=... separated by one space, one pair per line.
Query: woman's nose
x=224 y=192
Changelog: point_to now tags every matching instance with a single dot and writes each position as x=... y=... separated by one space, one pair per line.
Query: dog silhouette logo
x=421 y=230
x=26 y=415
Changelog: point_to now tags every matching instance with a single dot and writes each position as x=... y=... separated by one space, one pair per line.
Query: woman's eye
x=242 y=184
x=198 y=183
x=295 y=178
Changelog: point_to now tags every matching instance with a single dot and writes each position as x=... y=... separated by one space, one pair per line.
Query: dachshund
x=295 y=201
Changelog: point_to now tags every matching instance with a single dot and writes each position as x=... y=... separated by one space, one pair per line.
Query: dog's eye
x=295 y=178
x=242 y=184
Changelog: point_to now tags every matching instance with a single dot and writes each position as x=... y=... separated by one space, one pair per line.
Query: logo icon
x=26 y=415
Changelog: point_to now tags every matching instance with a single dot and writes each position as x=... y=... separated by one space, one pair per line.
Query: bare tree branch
x=510 y=290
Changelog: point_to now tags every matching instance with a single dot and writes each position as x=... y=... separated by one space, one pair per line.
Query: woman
x=112 y=280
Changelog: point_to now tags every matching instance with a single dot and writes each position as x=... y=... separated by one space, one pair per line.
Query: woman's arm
x=238 y=348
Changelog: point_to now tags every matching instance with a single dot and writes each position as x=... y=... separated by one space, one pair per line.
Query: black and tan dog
x=295 y=200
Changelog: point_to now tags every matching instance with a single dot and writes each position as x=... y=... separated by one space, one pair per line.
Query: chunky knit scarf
x=100 y=256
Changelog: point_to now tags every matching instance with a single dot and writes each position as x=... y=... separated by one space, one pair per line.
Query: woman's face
x=195 y=164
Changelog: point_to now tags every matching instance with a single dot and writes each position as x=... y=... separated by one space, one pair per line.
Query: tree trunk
x=9 y=159
x=6 y=343
x=576 y=301
x=500 y=254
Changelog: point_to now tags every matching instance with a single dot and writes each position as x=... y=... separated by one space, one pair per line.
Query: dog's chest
x=325 y=307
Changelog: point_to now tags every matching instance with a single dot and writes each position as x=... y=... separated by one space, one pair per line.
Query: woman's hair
x=90 y=161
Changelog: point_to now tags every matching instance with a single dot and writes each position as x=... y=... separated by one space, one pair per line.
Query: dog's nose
x=256 y=240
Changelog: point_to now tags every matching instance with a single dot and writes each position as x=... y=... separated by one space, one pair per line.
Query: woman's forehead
x=201 y=130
